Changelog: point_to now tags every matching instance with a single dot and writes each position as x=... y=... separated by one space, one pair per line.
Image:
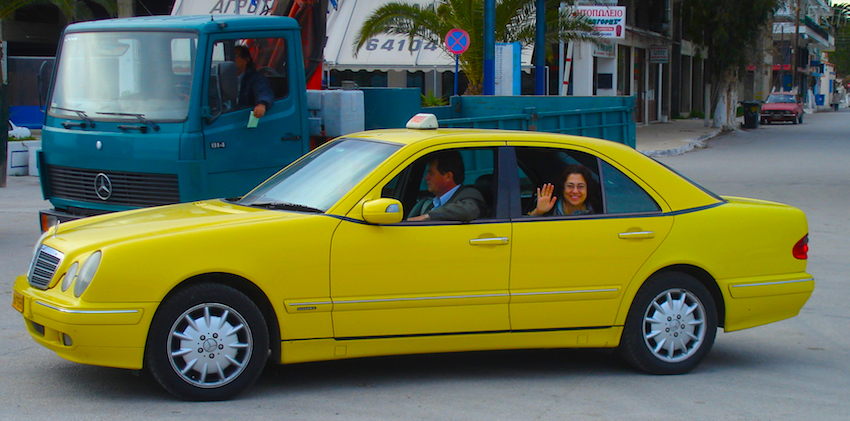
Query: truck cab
x=144 y=112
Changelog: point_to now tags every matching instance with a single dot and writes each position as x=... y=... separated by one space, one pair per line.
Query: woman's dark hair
x=593 y=193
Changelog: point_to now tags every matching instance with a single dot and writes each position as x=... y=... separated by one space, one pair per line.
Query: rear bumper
x=778 y=117
x=761 y=300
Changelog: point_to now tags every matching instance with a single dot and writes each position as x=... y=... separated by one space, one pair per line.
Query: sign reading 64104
x=398 y=44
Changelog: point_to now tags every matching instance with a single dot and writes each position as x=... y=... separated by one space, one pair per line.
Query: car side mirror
x=383 y=211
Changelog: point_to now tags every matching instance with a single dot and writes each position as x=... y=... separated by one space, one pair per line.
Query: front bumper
x=109 y=335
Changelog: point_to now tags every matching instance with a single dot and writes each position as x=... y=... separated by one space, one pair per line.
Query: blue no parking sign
x=457 y=41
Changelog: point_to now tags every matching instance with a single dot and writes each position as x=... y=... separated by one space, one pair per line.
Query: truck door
x=239 y=157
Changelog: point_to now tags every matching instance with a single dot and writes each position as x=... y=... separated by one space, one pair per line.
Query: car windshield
x=784 y=99
x=322 y=178
x=124 y=75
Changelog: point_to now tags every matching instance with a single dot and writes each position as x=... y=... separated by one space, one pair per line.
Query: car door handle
x=495 y=241
x=637 y=235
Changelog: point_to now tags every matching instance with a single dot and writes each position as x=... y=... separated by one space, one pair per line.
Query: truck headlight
x=87 y=272
x=68 y=279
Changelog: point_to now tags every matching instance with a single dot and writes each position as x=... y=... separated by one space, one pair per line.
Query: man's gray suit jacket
x=465 y=205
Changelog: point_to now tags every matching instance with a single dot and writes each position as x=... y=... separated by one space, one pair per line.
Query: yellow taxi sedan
x=346 y=254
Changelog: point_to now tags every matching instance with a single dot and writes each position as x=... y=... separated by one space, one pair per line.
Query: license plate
x=18 y=301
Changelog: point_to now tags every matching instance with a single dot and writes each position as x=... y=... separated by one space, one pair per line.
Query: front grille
x=126 y=188
x=44 y=266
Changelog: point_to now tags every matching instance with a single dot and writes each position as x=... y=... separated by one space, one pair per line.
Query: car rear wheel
x=671 y=325
x=207 y=342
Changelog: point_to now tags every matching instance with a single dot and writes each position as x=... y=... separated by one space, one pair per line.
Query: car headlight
x=68 y=279
x=87 y=272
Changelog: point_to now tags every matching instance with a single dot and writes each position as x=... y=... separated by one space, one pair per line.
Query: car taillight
x=801 y=249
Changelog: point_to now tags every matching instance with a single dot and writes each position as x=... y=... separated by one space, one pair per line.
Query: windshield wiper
x=286 y=206
x=81 y=114
x=141 y=118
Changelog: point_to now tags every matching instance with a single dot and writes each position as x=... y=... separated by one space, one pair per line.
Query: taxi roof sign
x=423 y=121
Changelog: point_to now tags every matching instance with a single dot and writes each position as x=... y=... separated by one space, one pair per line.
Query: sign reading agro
x=609 y=21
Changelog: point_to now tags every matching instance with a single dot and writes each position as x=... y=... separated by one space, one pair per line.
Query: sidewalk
x=673 y=138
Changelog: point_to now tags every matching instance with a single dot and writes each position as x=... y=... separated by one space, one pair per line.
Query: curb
x=690 y=145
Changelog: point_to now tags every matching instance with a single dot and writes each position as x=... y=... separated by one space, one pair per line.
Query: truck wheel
x=207 y=342
x=671 y=325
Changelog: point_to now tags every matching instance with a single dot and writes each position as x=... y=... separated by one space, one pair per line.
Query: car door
x=570 y=271
x=419 y=278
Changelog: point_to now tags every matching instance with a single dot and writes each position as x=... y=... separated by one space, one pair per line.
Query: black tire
x=207 y=342
x=676 y=342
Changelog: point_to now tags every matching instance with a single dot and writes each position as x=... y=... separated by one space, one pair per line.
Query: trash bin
x=751 y=114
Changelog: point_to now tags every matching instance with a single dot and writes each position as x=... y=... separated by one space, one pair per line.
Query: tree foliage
x=729 y=28
x=840 y=22
x=515 y=21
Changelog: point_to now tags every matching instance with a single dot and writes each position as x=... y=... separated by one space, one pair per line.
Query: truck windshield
x=322 y=178
x=131 y=73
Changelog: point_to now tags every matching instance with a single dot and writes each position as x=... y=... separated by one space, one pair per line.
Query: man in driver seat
x=452 y=201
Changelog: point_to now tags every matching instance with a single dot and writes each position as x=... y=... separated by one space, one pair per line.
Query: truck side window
x=269 y=56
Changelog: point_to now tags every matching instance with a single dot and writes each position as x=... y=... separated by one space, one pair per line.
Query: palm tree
x=515 y=22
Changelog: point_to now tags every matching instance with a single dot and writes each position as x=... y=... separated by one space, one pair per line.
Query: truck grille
x=113 y=187
x=44 y=266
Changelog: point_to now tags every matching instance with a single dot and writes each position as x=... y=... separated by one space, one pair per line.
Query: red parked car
x=782 y=106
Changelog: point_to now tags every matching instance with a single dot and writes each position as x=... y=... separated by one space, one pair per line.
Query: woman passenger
x=578 y=184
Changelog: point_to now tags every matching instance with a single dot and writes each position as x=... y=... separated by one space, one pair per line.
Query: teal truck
x=143 y=112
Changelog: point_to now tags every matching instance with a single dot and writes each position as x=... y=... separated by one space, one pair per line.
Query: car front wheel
x=207 y=342
x=671 y=325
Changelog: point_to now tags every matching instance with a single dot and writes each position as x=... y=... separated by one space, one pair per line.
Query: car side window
x=539 y=166
x=622 y=194
x=411 y=189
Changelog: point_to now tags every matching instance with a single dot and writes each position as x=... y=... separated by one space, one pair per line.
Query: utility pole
x=782 y=61
x=794 y=58
x=4 y=114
